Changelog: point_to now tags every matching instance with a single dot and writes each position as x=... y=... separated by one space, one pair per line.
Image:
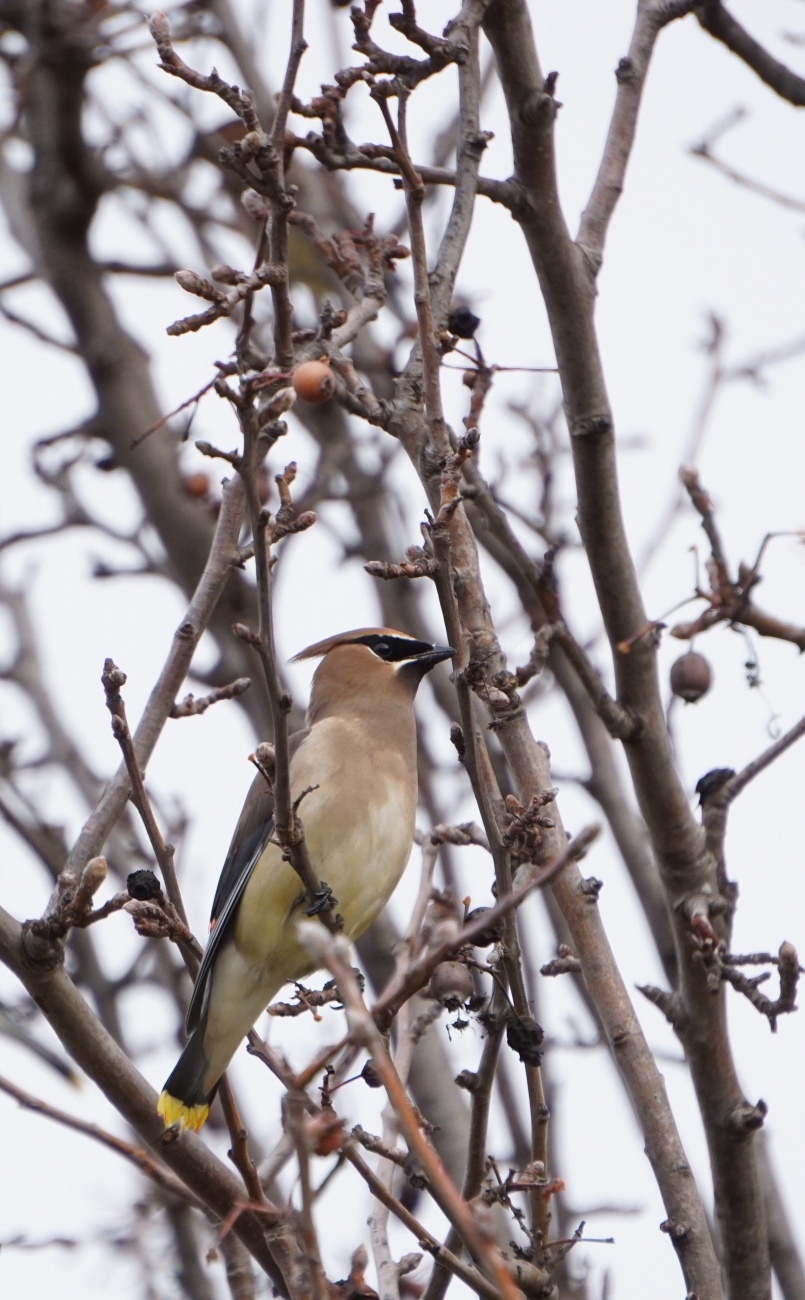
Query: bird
x=356 y=761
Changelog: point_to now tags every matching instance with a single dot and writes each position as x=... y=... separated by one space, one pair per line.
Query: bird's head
x=370 y=665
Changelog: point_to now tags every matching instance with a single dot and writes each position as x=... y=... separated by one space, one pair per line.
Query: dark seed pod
x=524 y=1037
x=691 y=677
x=451 y=984
x=463 y=323
x=712 y=781
x=493 y=934
x=143 y=885
x=370 y=1076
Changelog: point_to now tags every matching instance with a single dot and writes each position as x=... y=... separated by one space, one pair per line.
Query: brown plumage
x=359 y=752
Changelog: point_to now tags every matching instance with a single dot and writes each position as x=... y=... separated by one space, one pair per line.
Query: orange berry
x=313 y=381
x=196 y=484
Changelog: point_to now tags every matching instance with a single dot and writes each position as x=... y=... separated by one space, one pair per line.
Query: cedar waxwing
x=358 y=753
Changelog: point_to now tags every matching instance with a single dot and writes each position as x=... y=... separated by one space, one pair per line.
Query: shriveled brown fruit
x=451 y=984
x=691 y=677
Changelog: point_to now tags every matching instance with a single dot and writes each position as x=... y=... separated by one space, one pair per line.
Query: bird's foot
x=320 y=900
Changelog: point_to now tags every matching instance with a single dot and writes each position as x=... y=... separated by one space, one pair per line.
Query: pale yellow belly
x=359 y=840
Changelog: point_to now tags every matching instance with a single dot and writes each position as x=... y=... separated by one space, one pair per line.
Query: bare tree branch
x=719 y=22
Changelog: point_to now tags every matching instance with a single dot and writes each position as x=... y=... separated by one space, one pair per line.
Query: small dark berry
x=463 y=323
x=143 y=885
x=493 y=934
x=524 y=1037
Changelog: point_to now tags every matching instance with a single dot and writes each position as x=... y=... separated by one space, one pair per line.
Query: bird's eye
x=382 y=648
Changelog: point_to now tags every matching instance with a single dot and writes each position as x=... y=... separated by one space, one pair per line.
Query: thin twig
x=719 y=22
x=475 y=1280
x=281 y=207
x=220 y=562
x=138 y=1156
x=295 y=1122
x=420 y=970
x=414 y=194
x=239 y=1152
x=191 y=707
x=329 y=951
x=288 y=825
x=738 y=783
x=631 y=74
x=479 y=1116
x=113 y=679
x=387 y=1272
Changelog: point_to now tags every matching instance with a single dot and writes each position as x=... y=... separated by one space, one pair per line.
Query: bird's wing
x=252 y=833
x=237 y=869
x=255 y=824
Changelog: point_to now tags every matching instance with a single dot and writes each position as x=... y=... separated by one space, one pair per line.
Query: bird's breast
x=358 y=818
x=359 y=827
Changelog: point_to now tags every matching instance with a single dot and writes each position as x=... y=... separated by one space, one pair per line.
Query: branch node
x=591 y=887
x=564 y=963
x=247 y=634
x=674 y=1230
x=670 y=1004
x=745 y=1118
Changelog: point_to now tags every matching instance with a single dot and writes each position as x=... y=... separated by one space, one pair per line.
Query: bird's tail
x=184 y=1099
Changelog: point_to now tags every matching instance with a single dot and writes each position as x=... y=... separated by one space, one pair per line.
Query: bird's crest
x=359 y=636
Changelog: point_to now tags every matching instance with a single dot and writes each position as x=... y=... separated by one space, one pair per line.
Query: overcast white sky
x=684 y=242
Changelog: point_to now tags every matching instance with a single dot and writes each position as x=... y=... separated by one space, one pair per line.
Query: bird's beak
x=435 y=656
x=416 y=667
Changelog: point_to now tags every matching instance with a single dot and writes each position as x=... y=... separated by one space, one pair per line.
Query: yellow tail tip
x=174 y=1111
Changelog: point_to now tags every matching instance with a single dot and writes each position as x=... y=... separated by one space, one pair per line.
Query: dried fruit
x=313 y=381
x=463 y=323
x=493 y=934
x=525 y=1037
x=324 y=1133
x=691 y=677
x=451 y=984
x=370 y=1075
x=143 y=885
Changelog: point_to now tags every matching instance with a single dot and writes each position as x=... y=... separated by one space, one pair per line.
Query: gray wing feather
x=252 y=833
x=238 y=871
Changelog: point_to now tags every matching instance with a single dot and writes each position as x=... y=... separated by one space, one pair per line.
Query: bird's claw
x=320 y=900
